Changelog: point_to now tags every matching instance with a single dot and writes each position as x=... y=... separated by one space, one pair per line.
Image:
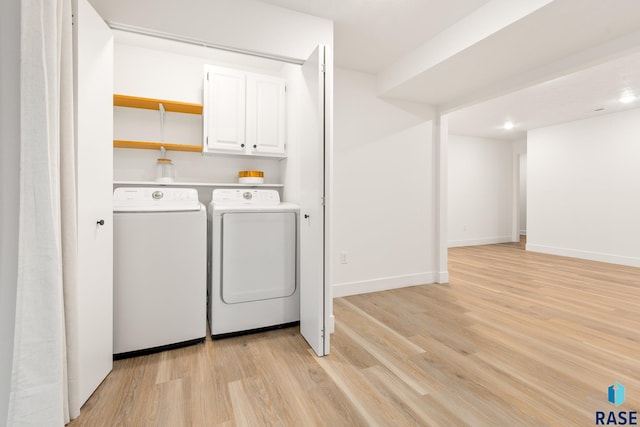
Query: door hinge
x=323 y=68
x=207 y=75
x=322 y=200
x=322 y=333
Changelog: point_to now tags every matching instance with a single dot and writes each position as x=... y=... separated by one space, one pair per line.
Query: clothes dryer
x=253 y=270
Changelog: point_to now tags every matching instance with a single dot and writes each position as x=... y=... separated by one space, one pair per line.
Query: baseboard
x=441 y=277
x=477 y=242
x=592 y=256
x=523 y=232
x=331 y=325
x=382 y=284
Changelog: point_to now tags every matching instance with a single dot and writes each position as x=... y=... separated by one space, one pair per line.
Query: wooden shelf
x=148 y=145
x=154 y=104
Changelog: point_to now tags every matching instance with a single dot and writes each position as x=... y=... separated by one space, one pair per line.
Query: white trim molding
x=592 y=256
x=482 y=241
x=383 y=284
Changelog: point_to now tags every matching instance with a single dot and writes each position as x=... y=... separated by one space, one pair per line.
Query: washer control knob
x=157 y=195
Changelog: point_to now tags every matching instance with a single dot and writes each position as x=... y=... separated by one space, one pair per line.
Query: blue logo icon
x=616 y=394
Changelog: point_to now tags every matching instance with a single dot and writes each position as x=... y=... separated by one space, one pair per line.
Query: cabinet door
x=224 y=110
x=94 y=133
x=265 y=114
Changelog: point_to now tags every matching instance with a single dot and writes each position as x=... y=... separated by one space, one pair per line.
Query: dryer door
x=258 y=256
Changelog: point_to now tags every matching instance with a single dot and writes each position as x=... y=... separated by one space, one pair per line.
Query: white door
x=93 y=43
x=265 y=114
x=314 y=292
x=224 y=109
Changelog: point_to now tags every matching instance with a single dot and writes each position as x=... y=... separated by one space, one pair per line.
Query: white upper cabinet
x=244 y=113
x=265 y=114
x=224 y=110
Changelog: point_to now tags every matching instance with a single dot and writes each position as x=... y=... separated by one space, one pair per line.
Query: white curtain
x=44 y=375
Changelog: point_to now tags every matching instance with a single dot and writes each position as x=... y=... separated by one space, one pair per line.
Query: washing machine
x=253 y=270
x=159 y=269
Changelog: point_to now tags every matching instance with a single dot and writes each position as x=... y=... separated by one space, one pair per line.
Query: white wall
x=382 y=213
x=149 y=67
x=583 y=189
x=480 y=191
x=158 y=68
x=243 y=24
x=9 y=187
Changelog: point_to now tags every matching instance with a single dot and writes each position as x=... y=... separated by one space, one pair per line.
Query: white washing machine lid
x=155 y=199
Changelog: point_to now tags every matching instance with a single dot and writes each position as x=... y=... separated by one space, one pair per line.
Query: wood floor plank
x=515 y=338
x=387 y=358
x=284 y=383
x=403 y=396
x=171 y=404
x=365 y=323
x=372 y=406
x=352 y=352
x=244 y=396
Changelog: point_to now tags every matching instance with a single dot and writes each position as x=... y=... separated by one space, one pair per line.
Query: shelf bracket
x=162 y=111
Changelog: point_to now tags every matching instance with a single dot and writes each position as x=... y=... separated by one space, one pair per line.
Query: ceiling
x=555 y=63
x=371 y=34
x=586 y=93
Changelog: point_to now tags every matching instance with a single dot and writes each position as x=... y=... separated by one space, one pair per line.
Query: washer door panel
x=258 y=256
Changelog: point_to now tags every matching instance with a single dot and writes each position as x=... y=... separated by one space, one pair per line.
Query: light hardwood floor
x=516 y=338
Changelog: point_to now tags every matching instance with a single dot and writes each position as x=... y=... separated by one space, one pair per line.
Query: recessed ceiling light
x=508 y=125
x=627 y=97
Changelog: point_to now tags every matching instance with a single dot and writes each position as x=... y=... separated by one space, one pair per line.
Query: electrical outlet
x=343 y=257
